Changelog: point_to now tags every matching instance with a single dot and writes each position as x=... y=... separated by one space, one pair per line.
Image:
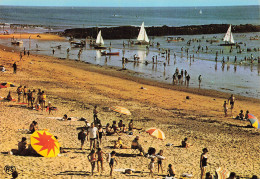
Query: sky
x=129 y=3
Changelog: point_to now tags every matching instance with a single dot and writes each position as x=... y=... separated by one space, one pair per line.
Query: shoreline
x=131 y=32
x=114 y=71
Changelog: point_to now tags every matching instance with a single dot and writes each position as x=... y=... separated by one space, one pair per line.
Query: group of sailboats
x=142 y=39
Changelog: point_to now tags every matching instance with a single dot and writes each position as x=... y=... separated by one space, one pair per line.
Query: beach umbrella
x=45 y=144
x=222 y=173
x=7 y=84
x=156 y=133
x=121 y=110
x=1 y=86
x=254 y=121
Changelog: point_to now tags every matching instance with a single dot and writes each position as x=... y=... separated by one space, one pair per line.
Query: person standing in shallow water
x=200 y=79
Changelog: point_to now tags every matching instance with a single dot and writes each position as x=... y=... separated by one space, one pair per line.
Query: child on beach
x=160 y=158
x=170 y=171
x=92 y=159
x=100 y=160
x=112 y=161
x=225 y=108
x=151 y=167
x=185 y=143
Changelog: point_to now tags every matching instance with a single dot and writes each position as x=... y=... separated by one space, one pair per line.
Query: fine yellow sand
x=75 y=87
x=32 y=36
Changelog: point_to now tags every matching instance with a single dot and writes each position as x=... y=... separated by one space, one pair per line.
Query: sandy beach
x=75 y=87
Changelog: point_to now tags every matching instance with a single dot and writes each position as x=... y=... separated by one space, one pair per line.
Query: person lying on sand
x=185 y=143
x=119 y=144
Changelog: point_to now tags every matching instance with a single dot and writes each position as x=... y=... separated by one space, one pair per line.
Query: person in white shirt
x=93 y=135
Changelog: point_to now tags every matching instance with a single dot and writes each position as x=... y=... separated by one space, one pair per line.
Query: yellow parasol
x=45 y=144
x=121 y=110
x=156 y=133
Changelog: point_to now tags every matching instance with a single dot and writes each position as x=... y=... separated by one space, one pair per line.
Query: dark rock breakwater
x=130 y=32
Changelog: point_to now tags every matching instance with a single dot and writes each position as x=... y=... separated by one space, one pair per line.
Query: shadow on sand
x=82 y=173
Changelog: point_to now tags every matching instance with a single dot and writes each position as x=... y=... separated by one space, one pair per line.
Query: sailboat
x=228 y=39
x=99 y=42
x=142 y=38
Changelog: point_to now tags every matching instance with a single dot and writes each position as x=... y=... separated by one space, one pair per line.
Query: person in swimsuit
x=100 y=160
x=112 y=161
x=25 y=92
x=100 y=133
x=232 y=102
x=151 y=167
x=170 y=171
x=225 y=108
x=92 y=159
x=184 y=143
x=203 y=162
x=160 y=158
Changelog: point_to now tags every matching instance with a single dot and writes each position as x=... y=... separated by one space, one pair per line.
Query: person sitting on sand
x=22 y=147
x=119 y=144
x=120 y=125
x=124 y=129
x=9 y=97
x=246 y=115
x=240 y=116
x=131 y=125
x=185 y=143
x=170 y=171
x=33 y=127
x=232 y=175
x=108 y=130
x=92 y=159
x=208 y=176
x=135 y=145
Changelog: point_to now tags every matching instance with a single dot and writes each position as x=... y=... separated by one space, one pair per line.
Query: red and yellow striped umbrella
x=156 y=133
x=45 y=144
x=222 y=173
x=8 y=84
x=121 y=110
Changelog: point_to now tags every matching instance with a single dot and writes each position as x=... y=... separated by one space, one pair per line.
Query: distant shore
x=131 y=32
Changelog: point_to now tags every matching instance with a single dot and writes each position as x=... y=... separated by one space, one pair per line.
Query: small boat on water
x=78 y=44
x=99 y=42
x=109 y=53
x=228 y=39
x=176 y=39
x=16 y=42
x=142 y=38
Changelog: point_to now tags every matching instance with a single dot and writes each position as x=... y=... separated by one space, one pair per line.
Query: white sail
x=229 y=37
x=99 y=40
x=142 y=35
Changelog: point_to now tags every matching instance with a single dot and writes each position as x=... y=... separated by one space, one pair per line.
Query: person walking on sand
x=82 y=137
x=225 y=108
x=203 y=162
x=95 y=112
x=112 y=161
x=14 y=67
x=92 y=157
x=100 y=159
x=19 y=92
x=231 y=99
x=25 y=92
x=93 y=135
x=151 y=167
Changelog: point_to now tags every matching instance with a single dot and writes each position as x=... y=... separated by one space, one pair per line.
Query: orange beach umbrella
x=222 y=173
x=45 y=144
x=156 y=133
x=121 y=110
